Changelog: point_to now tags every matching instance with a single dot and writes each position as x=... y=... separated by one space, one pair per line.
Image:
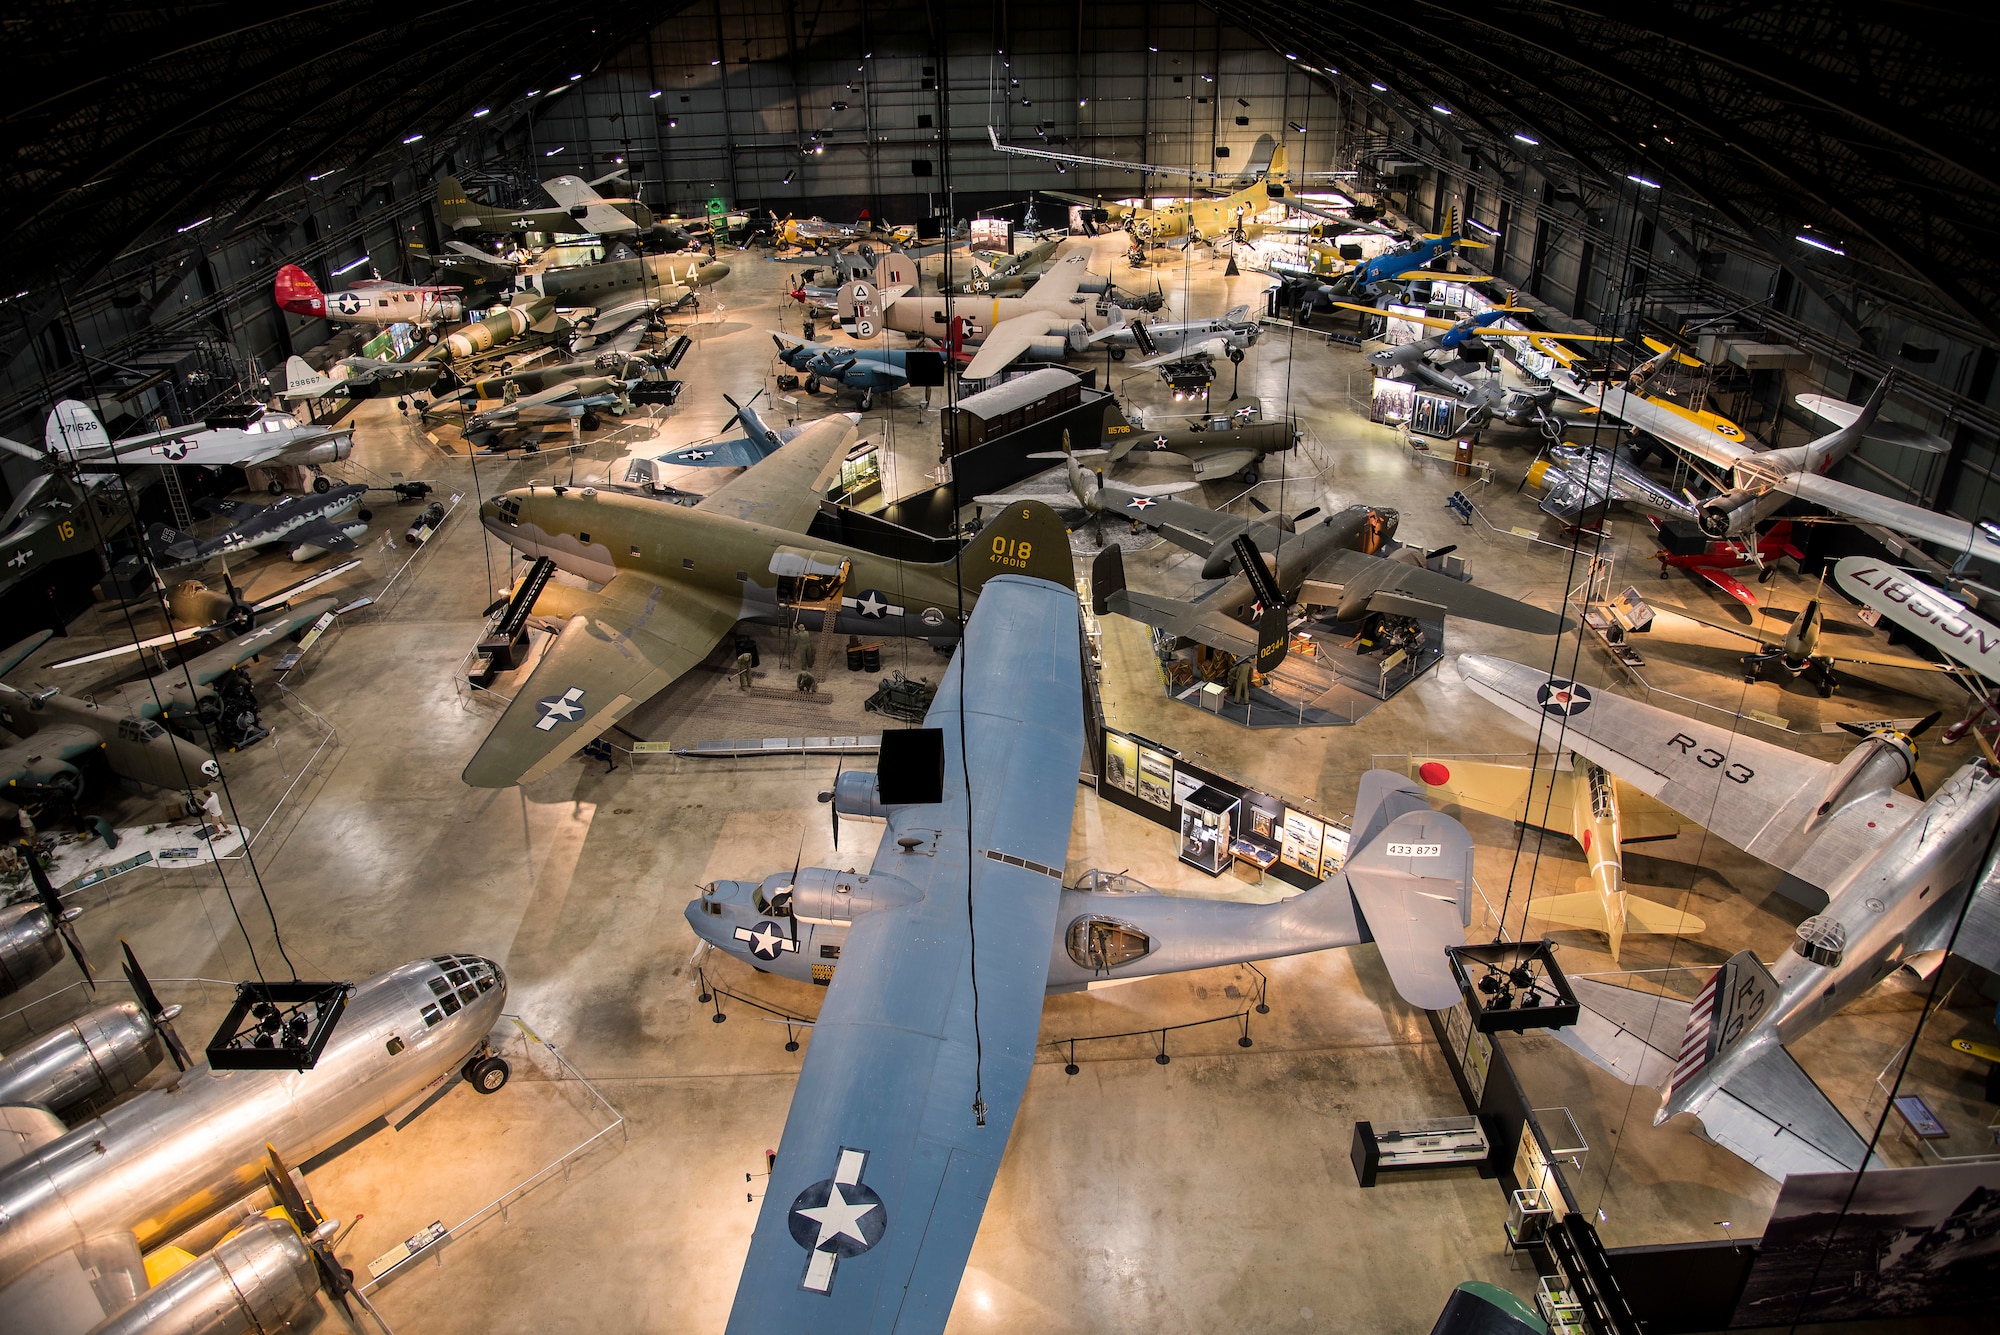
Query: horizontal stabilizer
x=1778 y=1121
x=1626 y=1032
x=1585 y=909
x=1413 y=885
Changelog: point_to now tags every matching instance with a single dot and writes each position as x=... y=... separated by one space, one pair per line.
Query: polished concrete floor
x=1209 y=1193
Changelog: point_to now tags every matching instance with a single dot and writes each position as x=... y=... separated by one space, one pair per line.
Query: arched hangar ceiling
x=123 y=120
x=1876 y=126
x=1873 y=125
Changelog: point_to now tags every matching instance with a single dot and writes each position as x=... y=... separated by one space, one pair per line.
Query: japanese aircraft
x=677 y=578
x=371 y=301
x=74 y=433
x=309 y=525
x=1230 y=334
x=60 y=734
x=1049 y=319
x=1215 y=448
x=1579 y=484
x=84 y=1203
x=866 y=370
x=1897 y=870
x=1803 y=648
x=1600 y=813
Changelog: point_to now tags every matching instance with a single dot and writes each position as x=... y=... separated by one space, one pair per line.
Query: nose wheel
x=487 y=1073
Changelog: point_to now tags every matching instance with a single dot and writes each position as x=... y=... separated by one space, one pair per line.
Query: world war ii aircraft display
x=51 y=742
x=1804 y=649
x=1229 y=335
x=1897 y=870
x=1215 y=448
x=865 y=369
x=1601 y=813
x=1579 y=484
x=677 y=578
x=83 y=1203
x=757 y=443
x=310 y=525
x=1050 y=318
x=261 y=438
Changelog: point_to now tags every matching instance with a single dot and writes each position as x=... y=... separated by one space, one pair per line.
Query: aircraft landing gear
x=1767 y=574
x=402 y=405
x=486 y=1072
x=812 y=384
x=867 y=399
x=275 y=487
x=322 y=485
x=1117 y=353
x=591 y=421
x=1236 y=355
x=1249 y=476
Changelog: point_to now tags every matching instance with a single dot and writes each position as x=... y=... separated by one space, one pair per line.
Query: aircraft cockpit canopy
x=461 y=979
x=774 y=896
x=1101 y=944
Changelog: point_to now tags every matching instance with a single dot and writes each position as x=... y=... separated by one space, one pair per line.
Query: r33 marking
x=1733 y=770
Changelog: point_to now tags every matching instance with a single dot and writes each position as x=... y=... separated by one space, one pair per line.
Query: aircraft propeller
x=318 y=1233
x=737 y=416
x=63 y=918
x=1923 y=726
x=832 y=810
x=163 y=1016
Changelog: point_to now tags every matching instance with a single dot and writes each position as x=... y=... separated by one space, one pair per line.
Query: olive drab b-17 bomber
x=678 y=578
x=1897 y=869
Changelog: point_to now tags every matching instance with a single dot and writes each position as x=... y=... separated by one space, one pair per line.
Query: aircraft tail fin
x=302 y=382
x=1723 y=1017
x=1027 y=538
x=860 y=307
x=1412 y=881
x=452 y=201
x=1280 y=162
x=296 y=292
x=170 y=541
x=1236 y=314
x=895 y=270
x=73 y=431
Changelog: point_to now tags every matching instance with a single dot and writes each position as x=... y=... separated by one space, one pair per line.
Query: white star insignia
x=559 y=709
x=871 y=605
x=1141 y=502
x=837 y=1217
x=20 y=558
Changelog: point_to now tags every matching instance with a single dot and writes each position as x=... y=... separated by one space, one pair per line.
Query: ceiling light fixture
x=655 y=93
x=1379 y=87
x=1440 y=109
x=350 y=266
x=1490 y=231
x=411 y=139
x=196 y=223
x=1818 y=244
x=1650 y=185
x=1295 y=127
x=557 y=149
x=486 y=110
x=1532 y=143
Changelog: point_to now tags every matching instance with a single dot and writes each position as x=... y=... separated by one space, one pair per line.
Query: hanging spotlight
x=1379 y=87
x=1650 y=185
x=412 y=138
x=1818 y=244
x=481 y=112
x=788 y=176
x=1295 y=127
x=655 y=93
x=1532 y=143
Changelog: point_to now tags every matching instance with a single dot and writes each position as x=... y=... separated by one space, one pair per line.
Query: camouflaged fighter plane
x=678 y=578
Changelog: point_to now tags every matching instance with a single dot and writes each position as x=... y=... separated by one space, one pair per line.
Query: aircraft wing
x=634 y=638
x=248 y=645
x=736 y=452
x=1063 y=279
x=1425 y=591
x=1541 y=798
x=1842 y=413
x=1194 y=527
x=884 y=1169
x=1751 y=793
x=1859 y=503
x=1183 y=351
x=1204 y=625
x=1220 y=464
x=1755 y=634
x=1010 y=338
x=1978 y=937
x=786 y=491
x=322 y=533
x=1772 y=1116
x=1678 y=429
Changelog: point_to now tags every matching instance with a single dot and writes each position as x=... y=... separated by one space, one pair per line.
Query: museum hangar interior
x=512 y=514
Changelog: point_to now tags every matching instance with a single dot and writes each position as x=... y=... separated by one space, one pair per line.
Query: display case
x=1444 y=1142
x=1208 y=827
x=860 y=477
x=1558 y=1306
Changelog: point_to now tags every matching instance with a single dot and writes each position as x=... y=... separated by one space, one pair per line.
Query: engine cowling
x=1049 y=349
x=330 y=451
x=1729 y=515
x=1884 y=759
x=822 y=895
